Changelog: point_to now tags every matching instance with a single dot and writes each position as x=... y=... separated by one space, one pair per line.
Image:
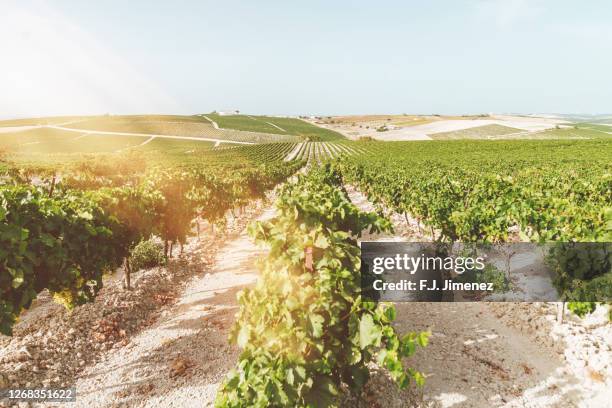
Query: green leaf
x=316 y=325
x=243 y=337
x=390 y=313
x=423 y=339
x=369 y=332
x=321 y=242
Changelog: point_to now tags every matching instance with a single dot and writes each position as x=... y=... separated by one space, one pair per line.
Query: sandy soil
x=180 y=360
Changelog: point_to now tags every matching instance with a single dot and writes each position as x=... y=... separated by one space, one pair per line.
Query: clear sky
x=306 y=57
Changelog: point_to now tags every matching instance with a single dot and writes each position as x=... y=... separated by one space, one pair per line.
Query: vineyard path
x=181 y=359
x=474 y=360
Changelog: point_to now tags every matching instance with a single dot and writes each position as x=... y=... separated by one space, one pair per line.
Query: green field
x=52 y=141
x=151 y=124
x=173 y=125
x=576 y=132
x=50 y=120
x=595 y=126
x=177 y=146
x=488 y=132
x=478 y=132
x=284 y=126
x=15 y=140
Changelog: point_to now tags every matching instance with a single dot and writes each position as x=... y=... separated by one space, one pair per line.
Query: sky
x=309 y=57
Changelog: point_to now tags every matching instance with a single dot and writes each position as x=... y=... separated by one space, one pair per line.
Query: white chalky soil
x=190 y=336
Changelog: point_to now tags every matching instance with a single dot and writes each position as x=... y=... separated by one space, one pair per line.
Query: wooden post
x=308 y=258
x=127 y=273
x=52 y=188
x=560 y=311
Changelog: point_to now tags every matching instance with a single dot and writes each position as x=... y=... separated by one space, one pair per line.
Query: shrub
x=366 y=139
x=147 y=254
x=583 y=273
x=491 y=274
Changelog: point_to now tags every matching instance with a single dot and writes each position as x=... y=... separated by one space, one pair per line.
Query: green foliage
x=63 y=236
x=478 y=191
x=147 y=254
x=490 y=274
x=304 y=328
x=583 y=273
x=581 y=309
x=63 y=244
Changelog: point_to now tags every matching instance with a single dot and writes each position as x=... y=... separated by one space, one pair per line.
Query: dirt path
x=276 y=126
x=181 y=359
x=292 y=154
x=212 y=122
x=474 y=359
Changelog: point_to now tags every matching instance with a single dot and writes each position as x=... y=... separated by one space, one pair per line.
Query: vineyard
x=80 y=210
x=470 y=191
x=275 y=125
x=81 y=220
x=189 y=126
x=479 y=132
x=318 y=152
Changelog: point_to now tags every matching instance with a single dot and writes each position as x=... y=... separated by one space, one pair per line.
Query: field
x=375 y=121
x=51 y=141
x=42 y=121
x=596 y=126
x=579 y=131
x=188 y=126
x=422 y=127
x=144 y=264
x=277 y=125
x=479 y=132
x=318 y=152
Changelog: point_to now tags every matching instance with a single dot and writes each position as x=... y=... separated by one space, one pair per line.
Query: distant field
x=31 y=137
x=578 y=132
x=53 y=120
x=139 y=123
x=88 y=144
x=397 y=120
x=479 y=132
x=582 y=131
x=596 y=126
x=178 y=146
x=191 y=126
x=280 y=126
x=57 y=141
x=49 y=140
